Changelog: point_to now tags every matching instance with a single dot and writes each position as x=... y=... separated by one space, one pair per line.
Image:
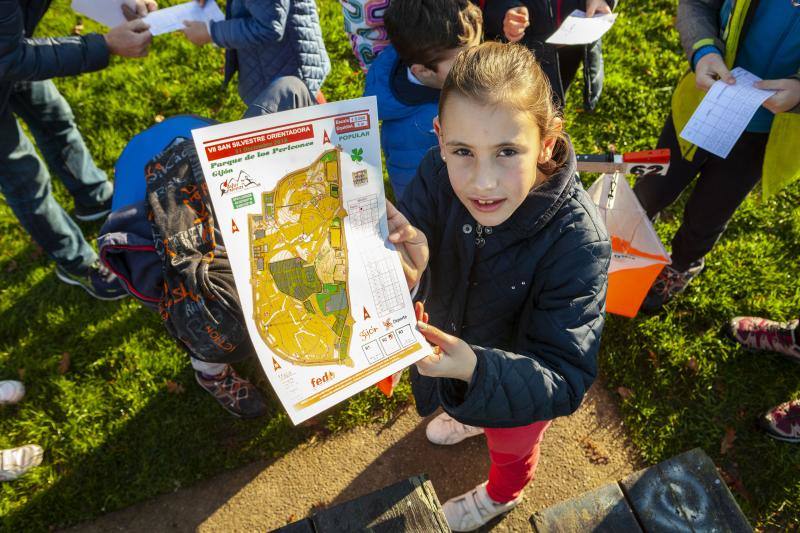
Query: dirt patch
x=579 y=453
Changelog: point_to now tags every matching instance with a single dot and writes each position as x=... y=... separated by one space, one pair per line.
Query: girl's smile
x=491 y=153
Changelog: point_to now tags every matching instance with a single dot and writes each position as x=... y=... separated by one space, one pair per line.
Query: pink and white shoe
x=762 y=334
x=446 y=430
x=474 y=509
x=782 y=422
x=11 y=392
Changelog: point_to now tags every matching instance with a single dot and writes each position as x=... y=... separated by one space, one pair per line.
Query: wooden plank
x=301 y=526
x=409 y=505
x=602 y=510
x=684 y=493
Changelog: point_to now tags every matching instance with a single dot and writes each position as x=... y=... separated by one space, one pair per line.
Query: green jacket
x=698 y=25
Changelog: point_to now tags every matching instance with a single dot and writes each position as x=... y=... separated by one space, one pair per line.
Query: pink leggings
x=514 y=453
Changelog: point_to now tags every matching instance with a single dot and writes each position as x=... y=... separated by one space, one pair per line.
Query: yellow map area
x=298 y=266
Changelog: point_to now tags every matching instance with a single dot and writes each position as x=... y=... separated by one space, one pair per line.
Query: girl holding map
x=516 y=279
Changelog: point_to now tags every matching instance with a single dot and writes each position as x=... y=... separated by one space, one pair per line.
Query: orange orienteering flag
x=638 y=255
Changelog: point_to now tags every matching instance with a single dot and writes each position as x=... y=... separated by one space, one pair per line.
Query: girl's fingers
x=402 y=233
x=436 y=336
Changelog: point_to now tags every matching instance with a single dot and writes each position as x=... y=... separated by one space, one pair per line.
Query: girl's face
x=491 y=154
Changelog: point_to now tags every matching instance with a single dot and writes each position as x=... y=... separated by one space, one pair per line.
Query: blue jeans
x=25 y=182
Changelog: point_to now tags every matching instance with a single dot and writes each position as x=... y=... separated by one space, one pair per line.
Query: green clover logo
x=357 y=154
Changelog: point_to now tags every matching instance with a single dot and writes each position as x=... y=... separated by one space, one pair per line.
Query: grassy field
x=113 y=401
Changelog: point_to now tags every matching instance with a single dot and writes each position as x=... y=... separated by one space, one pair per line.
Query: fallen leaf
x=726 y=444
x=174 y=388
x=625 y=392
x=593 y=452
x=692 y=364
x=63 y=365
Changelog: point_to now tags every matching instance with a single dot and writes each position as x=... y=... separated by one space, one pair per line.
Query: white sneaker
x=14 y=462
x=11 y=392
x=446 y=430
x=474 y=508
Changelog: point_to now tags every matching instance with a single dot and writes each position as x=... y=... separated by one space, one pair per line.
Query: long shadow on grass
x=154 y=442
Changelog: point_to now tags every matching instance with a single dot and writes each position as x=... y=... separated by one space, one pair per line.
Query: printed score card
x=724 y=113
x=300 y=201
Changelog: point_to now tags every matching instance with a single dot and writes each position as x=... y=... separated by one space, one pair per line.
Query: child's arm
x=266 y=24
x=698 y=26
x=558 y=343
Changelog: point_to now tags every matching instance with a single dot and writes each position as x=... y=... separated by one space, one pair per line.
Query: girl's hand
x=596 y=6
x=452 y=358
x=709 y=69
x=787 y=97
x=196 y=32
x=515 y=22
x=411 y=244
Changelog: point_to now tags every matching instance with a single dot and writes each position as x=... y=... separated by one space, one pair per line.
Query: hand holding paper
x=578 y=28
x=786 y=97
x=172 y=18
x=129 y=39
x=724 y=113
x=160 y=21
x=411 y=244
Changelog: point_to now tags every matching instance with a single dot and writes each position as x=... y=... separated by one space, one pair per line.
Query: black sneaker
x=235 y=394
x=99 y=282
x=96 y=212
x=668 y=284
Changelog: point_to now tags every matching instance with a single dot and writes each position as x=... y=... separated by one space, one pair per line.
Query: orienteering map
x=299 y=198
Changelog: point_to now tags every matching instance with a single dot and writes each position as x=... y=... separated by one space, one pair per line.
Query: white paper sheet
x=577 y=29
x=724 y=113
x=171 y=19
x=299 y=198
x=107 y=12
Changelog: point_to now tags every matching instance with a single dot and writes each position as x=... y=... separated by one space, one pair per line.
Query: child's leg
x=569 y=59
x=722 y=186
x=658 y=192
x=514 y=453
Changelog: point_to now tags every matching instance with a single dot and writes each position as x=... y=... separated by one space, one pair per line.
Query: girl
x=266 y=40
x=516 y=280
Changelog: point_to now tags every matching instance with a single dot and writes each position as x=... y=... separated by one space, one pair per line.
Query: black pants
x=722 y=186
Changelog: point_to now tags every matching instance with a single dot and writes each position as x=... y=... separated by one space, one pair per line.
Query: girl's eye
x=463 y=152
x=507 y=152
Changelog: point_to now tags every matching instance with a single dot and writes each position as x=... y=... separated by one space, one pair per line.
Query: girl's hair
x=495 y=73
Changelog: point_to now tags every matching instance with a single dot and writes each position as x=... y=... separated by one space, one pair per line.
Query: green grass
x=115 y=434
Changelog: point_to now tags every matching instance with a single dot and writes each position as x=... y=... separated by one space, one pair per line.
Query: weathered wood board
x=602 y=510
x=684 y=493
x=409 y=506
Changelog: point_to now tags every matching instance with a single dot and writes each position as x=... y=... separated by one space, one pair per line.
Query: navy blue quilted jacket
x=24 y=58
x=530 y=301
x=267 y=39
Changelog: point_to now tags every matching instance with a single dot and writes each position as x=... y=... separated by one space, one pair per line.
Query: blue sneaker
x=98 y=281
